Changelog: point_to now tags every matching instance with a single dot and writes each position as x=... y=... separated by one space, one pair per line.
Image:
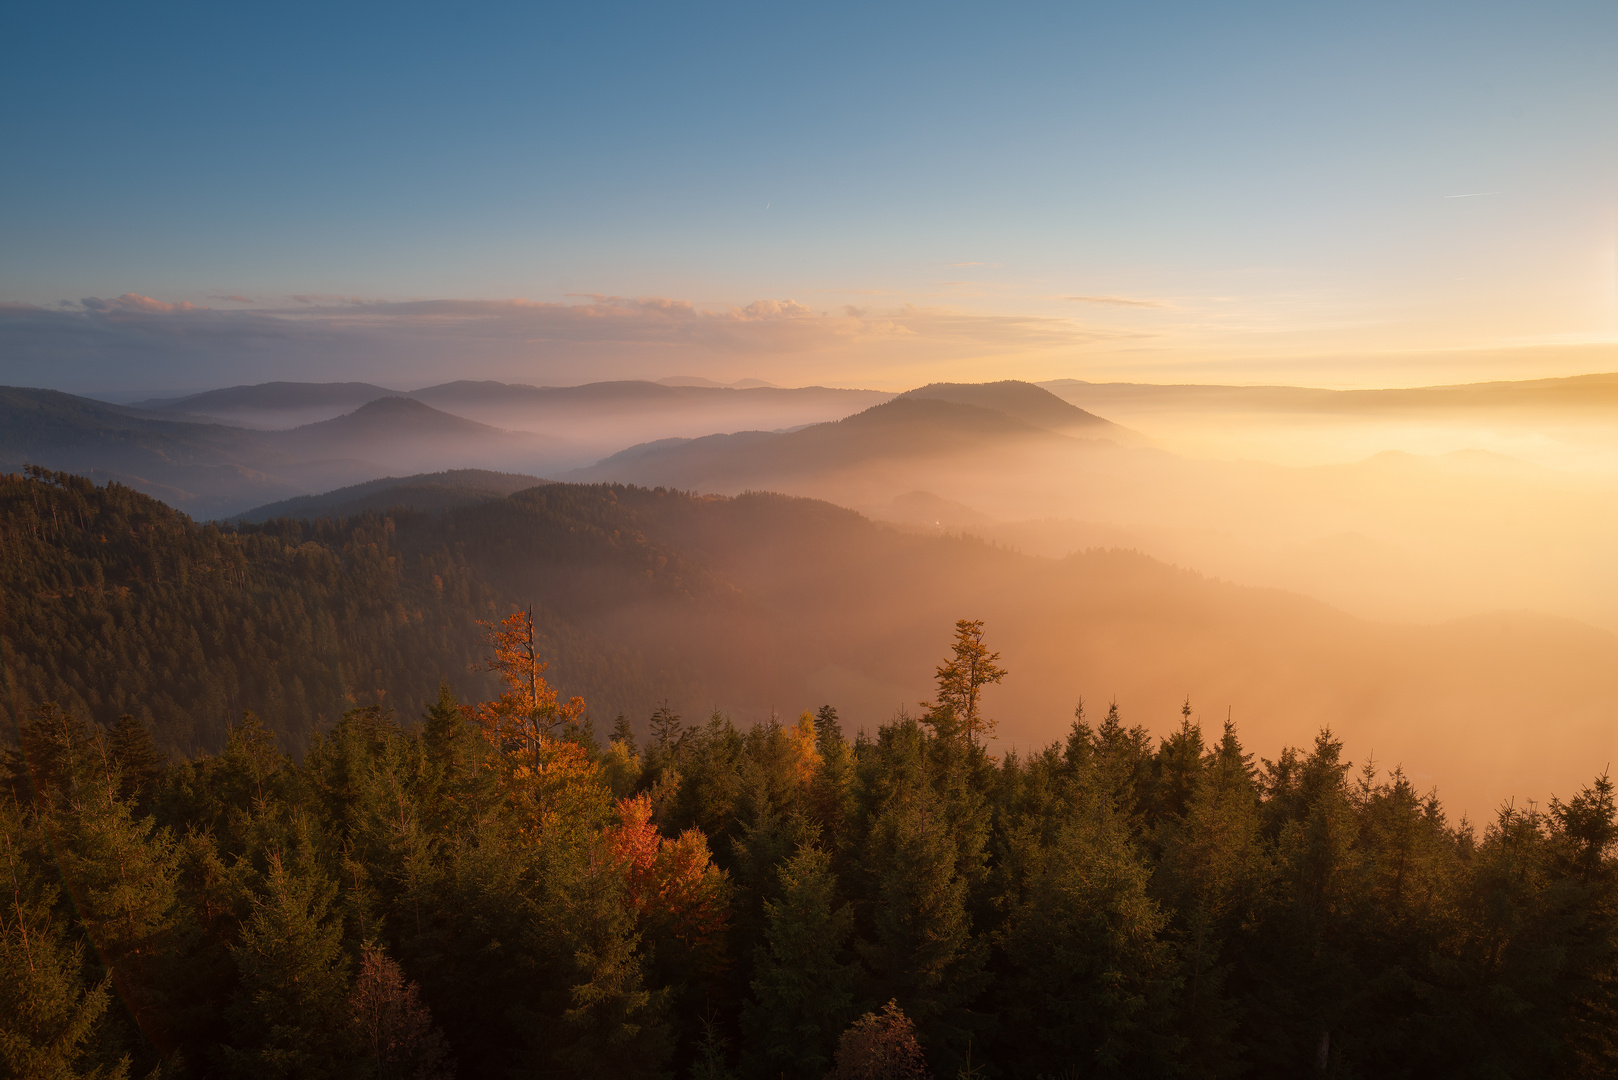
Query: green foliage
x=50 y=1020
x=287 y=1014
x=273 y=885
x=803 y=985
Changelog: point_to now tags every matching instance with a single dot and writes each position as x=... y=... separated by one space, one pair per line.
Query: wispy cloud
x=234 y=298
x=1119 y=301
x=134 y=304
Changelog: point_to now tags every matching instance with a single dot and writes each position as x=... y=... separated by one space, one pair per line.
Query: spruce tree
x=922 y=950
x=288 y=1015
x=1092 y=979
x=803 y=987
x=51 y=1023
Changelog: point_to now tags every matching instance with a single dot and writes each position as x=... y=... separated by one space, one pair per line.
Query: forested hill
x=492 y=891
x=760 y=603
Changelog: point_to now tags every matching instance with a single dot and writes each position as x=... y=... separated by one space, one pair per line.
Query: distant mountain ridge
x=1597 y=391
x=272 y=395
x=944 y=420
x=214 y=470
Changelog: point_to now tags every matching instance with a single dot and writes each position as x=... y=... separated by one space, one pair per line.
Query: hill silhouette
x=234 y=402
x=1026 y=402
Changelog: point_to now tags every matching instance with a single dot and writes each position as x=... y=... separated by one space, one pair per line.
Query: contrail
x=1473 y=194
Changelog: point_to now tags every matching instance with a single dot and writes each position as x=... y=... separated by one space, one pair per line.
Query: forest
x=494 y=888
x=309 y=799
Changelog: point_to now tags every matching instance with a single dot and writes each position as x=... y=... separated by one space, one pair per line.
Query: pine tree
x=608 y=1023
x=1212 y=875
x=803 y=990
x=831 y=788
x=922 y=949
x=666 y=728
x=122 y=874
x=288 y=1016
x=140 y=765
x=1092 y=976
x=624 y=732
x=50 y=1022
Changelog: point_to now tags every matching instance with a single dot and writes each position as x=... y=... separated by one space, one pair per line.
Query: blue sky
x=1158 y=191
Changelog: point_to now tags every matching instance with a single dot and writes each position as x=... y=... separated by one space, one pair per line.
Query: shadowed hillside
x=214 y=470
x=428 y=492
x=752 y=604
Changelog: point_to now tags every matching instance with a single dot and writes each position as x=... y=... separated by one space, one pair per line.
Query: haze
x=1312 y=311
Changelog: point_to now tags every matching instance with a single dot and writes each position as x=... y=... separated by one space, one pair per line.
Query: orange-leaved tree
x=520 y=718
x=549 y=779
x=673 y=886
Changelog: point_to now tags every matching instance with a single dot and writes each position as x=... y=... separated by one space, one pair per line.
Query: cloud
x=139 y=341
x=133 y=303
x=1120 y=301
x=233 y=297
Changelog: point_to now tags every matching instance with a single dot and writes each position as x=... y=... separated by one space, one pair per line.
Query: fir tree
x=803 y=988
x=50 y=1022
x=288 y=1013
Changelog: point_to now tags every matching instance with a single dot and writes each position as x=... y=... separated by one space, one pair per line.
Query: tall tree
x=1092 y=978
x=288 y=1016
x=961 y=680
x=803 y=986
x=51 y=1023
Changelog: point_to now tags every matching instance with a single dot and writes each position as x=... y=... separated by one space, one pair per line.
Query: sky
x=1330 y=194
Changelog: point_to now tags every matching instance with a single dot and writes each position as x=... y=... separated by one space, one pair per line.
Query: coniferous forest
x=507 y=886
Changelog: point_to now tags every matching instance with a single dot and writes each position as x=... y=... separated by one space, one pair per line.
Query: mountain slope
x=214 y=470
x=202 y=467
x=272 y=397
x=906 y=428
x=424 y=492
x=1023 y=401
x=754 y=604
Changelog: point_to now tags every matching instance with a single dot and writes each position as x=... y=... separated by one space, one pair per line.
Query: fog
x=1428 y=571
x=1388 y=534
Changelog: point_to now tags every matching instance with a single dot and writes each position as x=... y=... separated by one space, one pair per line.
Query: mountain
x=599 y=418
x=1407 y=536
x=595 y=419
x=754 y=604
x=1026 y=402
x=908 y=428
x=423 y=492
x=274 y=395
x=386 y=420
x=272 y=404
x=204 y=468
x=215 y=470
